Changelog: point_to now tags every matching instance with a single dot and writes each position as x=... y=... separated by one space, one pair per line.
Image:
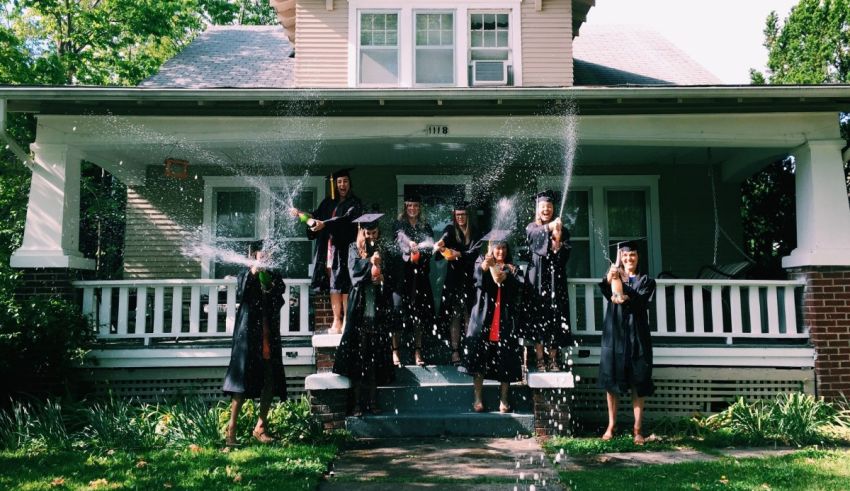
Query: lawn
x=292 y=467
x=804 y=470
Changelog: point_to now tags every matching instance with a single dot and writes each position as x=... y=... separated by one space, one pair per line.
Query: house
x=429 y=96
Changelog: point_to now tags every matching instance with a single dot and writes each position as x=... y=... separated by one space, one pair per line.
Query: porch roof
x=142 y=101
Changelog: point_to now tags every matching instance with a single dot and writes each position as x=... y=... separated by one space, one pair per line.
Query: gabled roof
x=230 y=56
x=633 y=55
x=259 y=57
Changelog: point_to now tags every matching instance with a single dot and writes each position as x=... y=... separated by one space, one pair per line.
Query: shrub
x=120 y=424
x=35 y=426
x=193 y=421
x=292 y=421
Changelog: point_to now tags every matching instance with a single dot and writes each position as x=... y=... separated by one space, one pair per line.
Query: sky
x=724 y=36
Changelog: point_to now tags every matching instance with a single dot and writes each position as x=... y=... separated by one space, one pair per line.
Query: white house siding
x=547 y=44
x=154 y=236
x=321 y=58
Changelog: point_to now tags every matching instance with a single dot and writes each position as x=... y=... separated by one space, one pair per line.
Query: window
x=434 y=48
x=603 y=210
x=238 y=210
x=489 y=36
x=379 y=53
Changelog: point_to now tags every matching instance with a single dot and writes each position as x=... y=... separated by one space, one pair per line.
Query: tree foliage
x=811 y=46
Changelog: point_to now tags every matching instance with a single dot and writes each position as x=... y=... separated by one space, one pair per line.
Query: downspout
x=10 y=142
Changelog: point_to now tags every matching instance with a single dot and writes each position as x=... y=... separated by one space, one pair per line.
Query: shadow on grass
x=296 y=467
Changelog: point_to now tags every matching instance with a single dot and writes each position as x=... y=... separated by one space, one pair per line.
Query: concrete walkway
x=637 y=459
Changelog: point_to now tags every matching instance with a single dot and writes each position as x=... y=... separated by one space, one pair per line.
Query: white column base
x=49 y=259
x=821 y=257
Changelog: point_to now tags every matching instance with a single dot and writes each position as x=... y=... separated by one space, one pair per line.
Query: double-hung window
x=379 y=48
x=489 y=36
x=434 y=42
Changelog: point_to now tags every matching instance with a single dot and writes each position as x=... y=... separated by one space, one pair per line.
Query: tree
x=812 y=46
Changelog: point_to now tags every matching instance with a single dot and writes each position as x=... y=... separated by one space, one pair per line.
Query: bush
x=292 y=422
x=120 y=424
x=194 y=422
x=34 y=427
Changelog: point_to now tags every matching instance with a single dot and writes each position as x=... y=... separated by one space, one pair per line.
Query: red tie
x=494 y=324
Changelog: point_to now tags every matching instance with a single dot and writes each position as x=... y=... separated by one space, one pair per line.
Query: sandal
x=262 y=437
x=456 y=357
x=478 y=407
x=553 y=366
x=417 y=355
x=504 y=408
x=638 y=438
x=396 y=358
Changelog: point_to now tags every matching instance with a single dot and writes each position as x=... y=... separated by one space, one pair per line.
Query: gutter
x=11 y=144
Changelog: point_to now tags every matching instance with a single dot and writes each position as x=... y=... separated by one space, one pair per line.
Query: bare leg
x=554 y=366
x=637 y=406
x=356 y=409
x=612 y=416
x=477 y=389
x=396 y=357
x=344 y=310
x=504 y=406
x=541 y=359
x=417 y=353
x=336 y=306
x=262 y=427
x=235 y=406
x=455 y=340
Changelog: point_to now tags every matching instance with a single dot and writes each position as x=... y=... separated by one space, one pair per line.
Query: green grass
x=804 y=470
x=596 y=446
x=293 y=467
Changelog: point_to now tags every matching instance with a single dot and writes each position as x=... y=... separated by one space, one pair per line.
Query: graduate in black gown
x=458 y=246
x=256 y=359
x=548 y=306
x=491 y=346
x=330 y=226
x=412 y=294
x=363 y=354
x=625 y=361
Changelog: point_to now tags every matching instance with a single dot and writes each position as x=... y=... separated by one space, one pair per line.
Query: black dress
x=458 y=294
x=365 y=348
x=412 y=294
x=495 y=360
x=547 y=318
x=246 y=372
x=332 y=242
x=626 y=356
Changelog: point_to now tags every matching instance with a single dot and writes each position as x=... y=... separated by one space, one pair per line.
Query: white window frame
x=597 y=212
x=509 y=48
x=453 y=46
x=264 y=218
x=359 y=16
x=406 y=36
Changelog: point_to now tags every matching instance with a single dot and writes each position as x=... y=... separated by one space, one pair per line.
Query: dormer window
x=379 y=53
x=489 y=36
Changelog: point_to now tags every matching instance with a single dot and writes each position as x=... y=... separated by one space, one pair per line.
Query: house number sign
x=437 y=129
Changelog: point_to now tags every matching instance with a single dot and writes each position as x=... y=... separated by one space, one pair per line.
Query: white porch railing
x=148 y=309
x=695 y=308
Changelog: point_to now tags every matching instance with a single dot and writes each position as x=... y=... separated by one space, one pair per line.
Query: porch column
x=822 y=258
x=52 y=230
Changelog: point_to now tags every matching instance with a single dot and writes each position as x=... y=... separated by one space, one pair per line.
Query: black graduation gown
x=458 y=294
x=547 y=315
x=413 y=297
x=626 y=356
x=366 y=344
x=339 y=232
x=500 y=360
x=245 y=374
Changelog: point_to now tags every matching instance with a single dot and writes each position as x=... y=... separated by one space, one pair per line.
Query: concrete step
x=448 y=399
x=490 y=424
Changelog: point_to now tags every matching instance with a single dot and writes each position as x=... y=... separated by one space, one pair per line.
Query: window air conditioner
x=489 y=72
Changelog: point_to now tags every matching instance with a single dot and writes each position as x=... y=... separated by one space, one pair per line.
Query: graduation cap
x=547 y=195
x=625 y=246
x=460 y=205
x=255 y=246
x=344 y=172
x=368 y=221
x=412 y=197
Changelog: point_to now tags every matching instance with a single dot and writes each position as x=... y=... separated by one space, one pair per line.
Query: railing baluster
x=88 y=302
x=141 y=312
x=230 y=320
x=716 y=309
x=698 y=312
x=212 y=310
x=177 y=310
x=735 y=314
x=104 y=317
x=158 y=308
x=681 y=313
x=755 y=310
x=195 y=311
x=772 y=312
x=790 y=311
x=123 y=310
x=589 y=314
x=661 y=308
x=571 y=291
x=284 y=313
x=304 y=308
